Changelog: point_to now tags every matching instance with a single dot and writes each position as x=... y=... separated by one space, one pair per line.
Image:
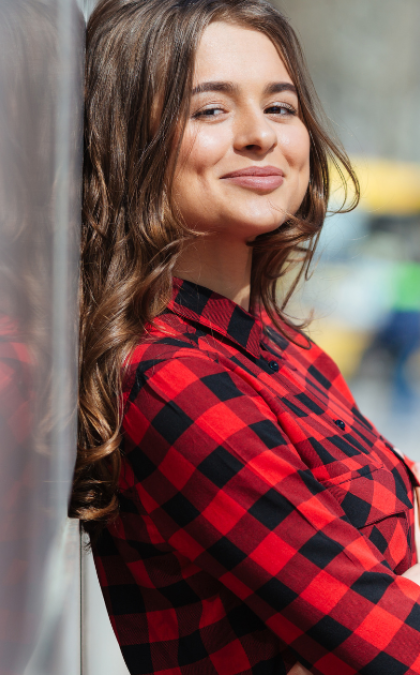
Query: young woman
x=244 y=516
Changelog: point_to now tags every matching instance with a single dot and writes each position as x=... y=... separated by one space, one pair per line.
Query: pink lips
x=260 y=178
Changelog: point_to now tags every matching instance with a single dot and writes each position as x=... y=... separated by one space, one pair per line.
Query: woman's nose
x=254 y=132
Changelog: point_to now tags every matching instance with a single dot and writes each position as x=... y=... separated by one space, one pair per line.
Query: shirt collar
x=218 y=313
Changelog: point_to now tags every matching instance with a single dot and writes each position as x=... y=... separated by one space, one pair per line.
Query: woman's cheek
x=295 y=143
x=210 y=147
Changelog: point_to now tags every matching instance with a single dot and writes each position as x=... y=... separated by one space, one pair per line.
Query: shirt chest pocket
x=376 y=503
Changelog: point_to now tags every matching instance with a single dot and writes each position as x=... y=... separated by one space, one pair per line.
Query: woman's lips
x=263 y=179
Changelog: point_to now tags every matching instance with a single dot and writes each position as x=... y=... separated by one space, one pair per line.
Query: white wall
x=41 y=70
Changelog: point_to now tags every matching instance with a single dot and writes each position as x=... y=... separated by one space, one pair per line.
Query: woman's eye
x=281 y=109
x=208 y=112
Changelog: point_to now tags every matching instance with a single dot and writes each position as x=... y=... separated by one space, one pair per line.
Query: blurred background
x=364 y=292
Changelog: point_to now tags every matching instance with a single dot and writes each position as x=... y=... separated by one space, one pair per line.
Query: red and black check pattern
x=263 y=519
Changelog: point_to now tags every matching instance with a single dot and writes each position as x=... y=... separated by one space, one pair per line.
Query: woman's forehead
x=229 y=51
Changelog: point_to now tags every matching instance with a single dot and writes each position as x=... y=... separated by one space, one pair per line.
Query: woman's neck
x=223 y=266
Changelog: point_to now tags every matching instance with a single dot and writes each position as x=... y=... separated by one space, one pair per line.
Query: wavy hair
x=140 y=58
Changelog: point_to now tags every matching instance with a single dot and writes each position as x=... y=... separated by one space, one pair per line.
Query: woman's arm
x=231 y=494
x=414 y=572
x=417 y=521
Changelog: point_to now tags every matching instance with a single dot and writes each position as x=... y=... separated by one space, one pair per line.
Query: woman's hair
x=140 y=58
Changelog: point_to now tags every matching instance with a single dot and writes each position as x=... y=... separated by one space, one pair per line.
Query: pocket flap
x=368 y=498
x=340 y=472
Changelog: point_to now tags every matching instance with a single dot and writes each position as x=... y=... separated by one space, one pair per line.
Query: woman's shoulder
x=169 y=338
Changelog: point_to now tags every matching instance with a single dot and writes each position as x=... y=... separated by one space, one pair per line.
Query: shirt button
x=340 y=424
x=274 y=366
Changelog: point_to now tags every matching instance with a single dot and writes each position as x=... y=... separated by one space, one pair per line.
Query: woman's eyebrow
x=227 y=87
x=278 y=87
x=230 y=87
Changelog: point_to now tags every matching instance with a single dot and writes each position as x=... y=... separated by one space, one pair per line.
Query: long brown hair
x=140 y=57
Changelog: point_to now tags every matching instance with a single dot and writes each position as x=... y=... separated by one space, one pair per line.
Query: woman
x=254 y=519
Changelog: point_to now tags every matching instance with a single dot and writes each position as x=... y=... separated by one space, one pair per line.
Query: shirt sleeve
x=227 y=489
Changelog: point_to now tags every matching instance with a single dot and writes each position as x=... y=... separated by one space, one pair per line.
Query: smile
x=262 y=179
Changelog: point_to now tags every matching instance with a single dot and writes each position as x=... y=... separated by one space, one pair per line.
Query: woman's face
x=244 y=160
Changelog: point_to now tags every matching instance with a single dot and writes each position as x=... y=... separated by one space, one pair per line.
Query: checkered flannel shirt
x=263 y=519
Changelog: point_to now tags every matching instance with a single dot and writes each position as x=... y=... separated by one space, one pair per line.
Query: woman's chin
x=249 y=229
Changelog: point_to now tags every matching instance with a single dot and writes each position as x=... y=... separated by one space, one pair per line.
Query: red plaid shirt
x=263 y=519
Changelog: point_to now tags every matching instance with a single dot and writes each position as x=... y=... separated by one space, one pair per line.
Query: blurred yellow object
x=345 y=346
x=387 y=187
